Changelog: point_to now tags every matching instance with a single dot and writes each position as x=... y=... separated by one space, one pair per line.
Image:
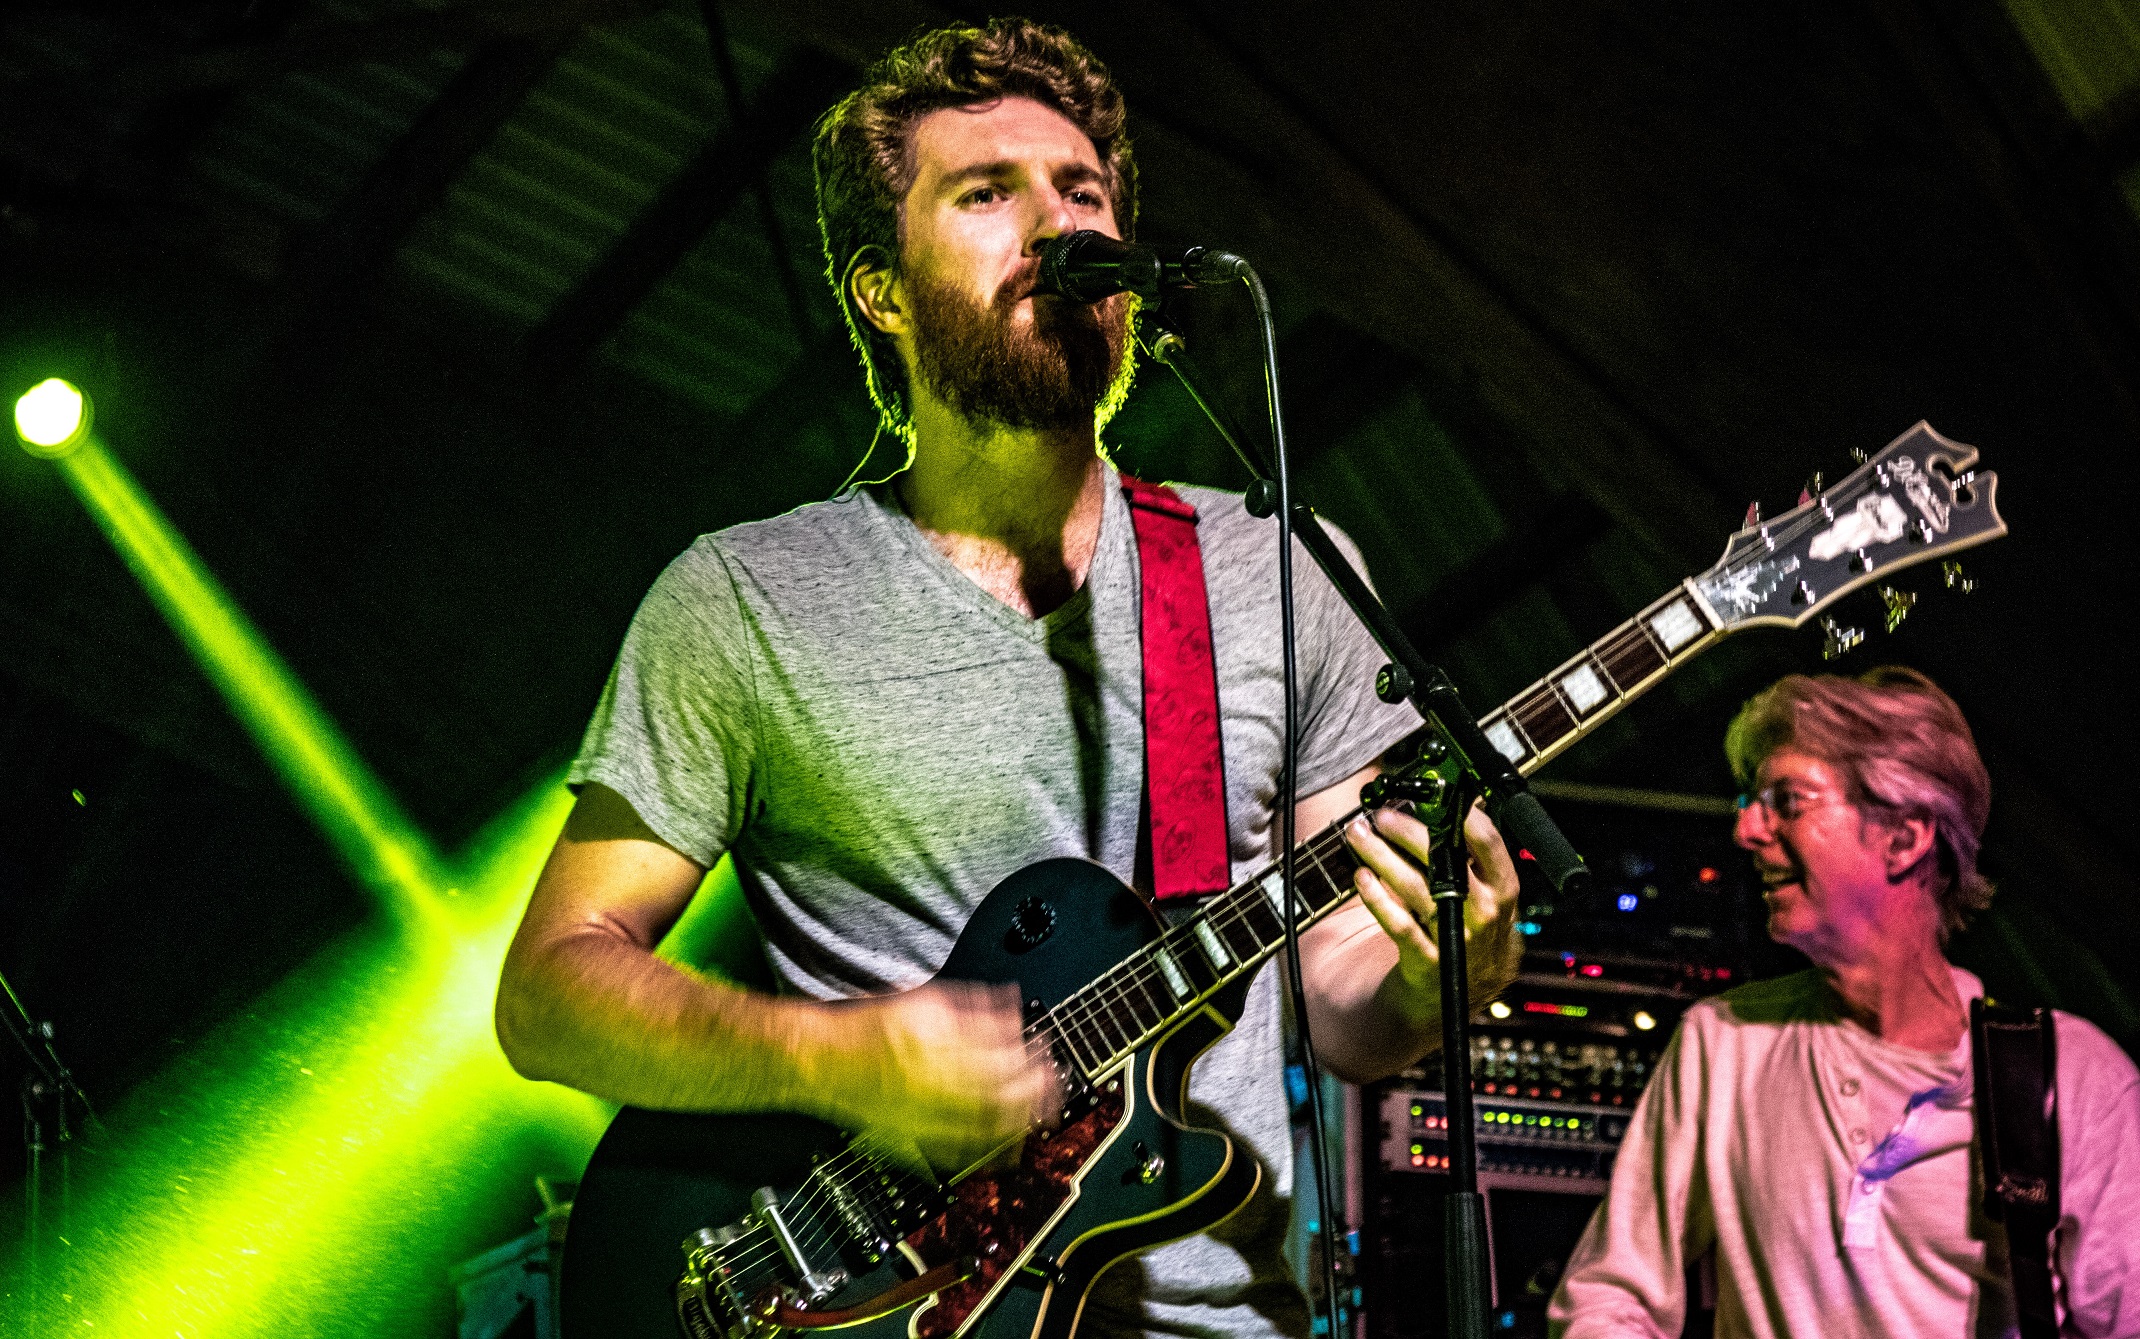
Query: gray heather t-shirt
x=879 y=742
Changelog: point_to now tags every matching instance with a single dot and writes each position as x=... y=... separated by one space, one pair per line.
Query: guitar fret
x=1231 y=927
x=1634 y=655
x=1147 y=1010
x=1256 y=910
x=1112 y=1030
x=1544 y=720
x=1072 y=1030
x=1193 y=961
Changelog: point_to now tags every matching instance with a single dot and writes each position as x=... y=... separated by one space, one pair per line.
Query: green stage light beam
x=386 y=852
x=315 y=1165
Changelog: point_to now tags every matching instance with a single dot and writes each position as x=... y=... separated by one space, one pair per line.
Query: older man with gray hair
x=1817 y=1132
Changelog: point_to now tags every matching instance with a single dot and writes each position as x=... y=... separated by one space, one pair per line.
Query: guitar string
x=806 y=1214
x=1234 y=910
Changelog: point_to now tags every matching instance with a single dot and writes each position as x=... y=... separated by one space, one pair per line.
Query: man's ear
x=1909 y=842
x=872 y=284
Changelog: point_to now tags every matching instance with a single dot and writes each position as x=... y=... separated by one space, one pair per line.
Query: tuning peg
x=1811 y=490
x=1840 y=641
x=1957 y=582
x=1899 y=603
x=1753 y=514
x=1858 y=454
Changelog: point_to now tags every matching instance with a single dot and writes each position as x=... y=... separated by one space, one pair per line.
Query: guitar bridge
x=817 y=1285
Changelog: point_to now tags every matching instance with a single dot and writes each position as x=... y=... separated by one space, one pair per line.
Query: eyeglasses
x=1783 y=803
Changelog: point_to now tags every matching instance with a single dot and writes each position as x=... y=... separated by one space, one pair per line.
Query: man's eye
x=1085 y=198
x=983 y=195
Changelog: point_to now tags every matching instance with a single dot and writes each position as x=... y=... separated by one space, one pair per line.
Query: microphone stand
x=48 y=1094
x=1482 y=772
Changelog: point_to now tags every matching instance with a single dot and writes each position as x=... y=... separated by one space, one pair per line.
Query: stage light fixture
x=52 y=418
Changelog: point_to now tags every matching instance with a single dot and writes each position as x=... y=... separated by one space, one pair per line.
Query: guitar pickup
x=872 y=1236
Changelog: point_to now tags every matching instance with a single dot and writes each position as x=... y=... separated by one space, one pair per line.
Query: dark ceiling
x=438 y=330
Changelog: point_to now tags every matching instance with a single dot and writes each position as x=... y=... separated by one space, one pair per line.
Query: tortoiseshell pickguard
x=994 y=1216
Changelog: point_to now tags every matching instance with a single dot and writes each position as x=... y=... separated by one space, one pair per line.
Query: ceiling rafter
x=724 y=64
x=342 y=254
x=321 y=45
x=694 y=200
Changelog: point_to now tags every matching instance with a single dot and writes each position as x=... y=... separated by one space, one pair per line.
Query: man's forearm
x=1368 y=1020
x=602 y=1014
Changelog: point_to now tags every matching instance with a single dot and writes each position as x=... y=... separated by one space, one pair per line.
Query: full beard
x=1067 y=368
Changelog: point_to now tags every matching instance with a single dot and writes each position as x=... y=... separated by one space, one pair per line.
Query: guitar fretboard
x=1153 y=989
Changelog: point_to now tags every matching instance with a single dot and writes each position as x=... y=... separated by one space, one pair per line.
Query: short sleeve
x=1343 y=725
x=675 y=731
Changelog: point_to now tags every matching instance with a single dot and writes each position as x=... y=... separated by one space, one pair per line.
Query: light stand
x=49 y=1097
x=1482 y=771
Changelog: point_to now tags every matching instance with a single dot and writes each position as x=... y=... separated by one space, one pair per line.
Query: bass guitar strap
x=2015 y=1056
x=1184 y=775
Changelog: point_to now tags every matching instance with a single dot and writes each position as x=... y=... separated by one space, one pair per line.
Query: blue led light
x=1527 y=927
x=1628 y=902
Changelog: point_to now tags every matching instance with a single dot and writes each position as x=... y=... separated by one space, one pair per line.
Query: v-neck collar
x=963 y=589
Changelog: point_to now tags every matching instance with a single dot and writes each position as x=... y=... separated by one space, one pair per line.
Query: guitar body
x=1010 y=1253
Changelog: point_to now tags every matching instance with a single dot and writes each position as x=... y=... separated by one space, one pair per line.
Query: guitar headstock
x=1920 y=497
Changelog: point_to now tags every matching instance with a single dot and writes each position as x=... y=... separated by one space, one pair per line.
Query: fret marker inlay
x=1213 y=949
x=1503 y=737
x=1583 y=689
x=1675 y=625
x=1274 y=889
x=1176 y=982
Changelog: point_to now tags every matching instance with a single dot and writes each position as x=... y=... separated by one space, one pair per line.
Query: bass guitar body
x=746 y=1226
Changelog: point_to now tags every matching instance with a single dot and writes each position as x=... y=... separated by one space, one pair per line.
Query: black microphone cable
x=1289 y=800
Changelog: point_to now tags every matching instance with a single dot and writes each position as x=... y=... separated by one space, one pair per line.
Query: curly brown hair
x=1904 y=750
x=864 y=161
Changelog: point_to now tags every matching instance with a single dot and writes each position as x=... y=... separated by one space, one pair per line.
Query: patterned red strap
x=1183 y=774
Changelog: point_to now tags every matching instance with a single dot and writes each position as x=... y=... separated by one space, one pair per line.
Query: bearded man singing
x=883 y=704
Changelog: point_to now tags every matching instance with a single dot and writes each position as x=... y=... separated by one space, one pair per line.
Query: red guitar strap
x=1184 y=777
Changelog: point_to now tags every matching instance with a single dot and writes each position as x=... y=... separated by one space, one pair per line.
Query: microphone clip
x=1085 y=266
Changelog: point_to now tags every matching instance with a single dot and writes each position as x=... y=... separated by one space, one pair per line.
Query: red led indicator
x=1593 y=969
x=1709 y=874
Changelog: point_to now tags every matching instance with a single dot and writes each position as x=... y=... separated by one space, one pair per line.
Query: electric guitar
x=786 y=1224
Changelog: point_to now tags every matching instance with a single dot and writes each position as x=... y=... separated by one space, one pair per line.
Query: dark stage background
x=439 y=329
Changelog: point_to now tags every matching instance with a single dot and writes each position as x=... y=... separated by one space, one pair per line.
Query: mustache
x=1020 y=284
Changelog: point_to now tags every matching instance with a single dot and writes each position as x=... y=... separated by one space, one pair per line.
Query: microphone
x=1086 y=266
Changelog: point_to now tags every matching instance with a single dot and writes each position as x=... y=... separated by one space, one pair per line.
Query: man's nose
x=1751 y=828
x=1052 y=219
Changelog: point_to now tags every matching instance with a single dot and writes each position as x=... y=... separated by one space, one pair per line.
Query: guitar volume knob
x=1150 y=1165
